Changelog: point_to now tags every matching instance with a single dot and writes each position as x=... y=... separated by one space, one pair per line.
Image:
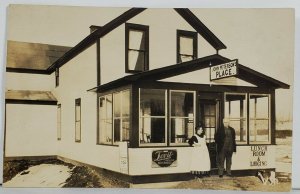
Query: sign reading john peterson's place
x=164 y=158
x=224 y=70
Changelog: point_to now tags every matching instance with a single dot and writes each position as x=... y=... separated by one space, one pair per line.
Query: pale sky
x=262 y=39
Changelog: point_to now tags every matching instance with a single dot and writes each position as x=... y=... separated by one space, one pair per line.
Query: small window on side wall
x=59 y=122
x=186 y=46
x=136 y=48
x=78 y=120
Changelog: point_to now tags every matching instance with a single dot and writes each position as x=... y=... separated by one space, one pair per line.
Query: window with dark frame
x=187 y=48
x=56 y=77
x=259 y=118
x=153 y=117
x=114 y=117
x=59 y=122
x=105 y=119
x=77 y=120
x=181 y=116
x=136 y=48
x=236 y=112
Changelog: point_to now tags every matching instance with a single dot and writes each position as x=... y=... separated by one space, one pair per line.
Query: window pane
x=105 y=131
x=102 y=108
x=117 y=104
x=239 y=126
x=77 y=114
x=102 y=132
x=136 y=60
x=236 y=111
x=136 y=40
x=182 y=104
x=259 y=106
x=109 y=106
x=77 y=131
x=152 y=102
x=105 y=119
x=125 y=103
x=235 y=105
x=259 y=130
x=125 y=129
x=210 y=121
x=152 y=130
x=186 y=45
x=108 y=131
x=259 y=118
x=181 y=129
x=212 y=135
x=117 y=128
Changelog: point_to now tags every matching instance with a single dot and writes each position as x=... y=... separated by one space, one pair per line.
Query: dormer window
x=186 y=46
x=136 y=48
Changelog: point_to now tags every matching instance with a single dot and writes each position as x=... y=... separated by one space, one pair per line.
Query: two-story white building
x=128 y=97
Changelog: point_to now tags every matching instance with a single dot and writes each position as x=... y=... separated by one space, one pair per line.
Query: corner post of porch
x=134 y=132
x=273 y=117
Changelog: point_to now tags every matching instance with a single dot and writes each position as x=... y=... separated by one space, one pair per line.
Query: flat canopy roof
x=27 y=95
x=245 y=73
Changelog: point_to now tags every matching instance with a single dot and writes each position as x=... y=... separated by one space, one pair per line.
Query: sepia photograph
x=172 y=98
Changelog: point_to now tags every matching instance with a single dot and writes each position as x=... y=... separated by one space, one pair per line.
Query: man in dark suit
x=226 y=145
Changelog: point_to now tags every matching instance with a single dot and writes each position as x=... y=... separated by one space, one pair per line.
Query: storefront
x=157 y=118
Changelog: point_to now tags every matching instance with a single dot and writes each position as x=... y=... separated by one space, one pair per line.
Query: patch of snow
x=43 y=175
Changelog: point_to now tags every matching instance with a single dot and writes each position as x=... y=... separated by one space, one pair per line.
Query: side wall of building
x=30 y=130
x=76 y=77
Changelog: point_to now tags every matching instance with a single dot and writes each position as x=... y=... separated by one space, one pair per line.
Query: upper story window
x=186 y=46
x=56 y=77
x=136 y=48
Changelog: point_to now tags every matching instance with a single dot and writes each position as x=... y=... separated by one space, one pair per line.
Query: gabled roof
x=32 y=56
x=92 y=38
x=245 y=73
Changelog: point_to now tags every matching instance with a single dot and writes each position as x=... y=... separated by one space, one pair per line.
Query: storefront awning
x=245 y=73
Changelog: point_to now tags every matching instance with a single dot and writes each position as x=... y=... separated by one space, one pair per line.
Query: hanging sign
x=224 y=70
x=164 y=158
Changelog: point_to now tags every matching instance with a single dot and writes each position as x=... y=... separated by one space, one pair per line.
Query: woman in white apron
x=200 y=161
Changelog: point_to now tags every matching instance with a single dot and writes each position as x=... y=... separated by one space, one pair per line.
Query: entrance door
x=209 y=116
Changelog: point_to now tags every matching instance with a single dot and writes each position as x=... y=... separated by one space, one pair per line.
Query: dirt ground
x=248 y=183
x=80 y=176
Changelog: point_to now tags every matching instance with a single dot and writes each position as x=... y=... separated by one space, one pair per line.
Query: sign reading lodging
x=259 y=156
x=224 y=70
x=164 y=158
